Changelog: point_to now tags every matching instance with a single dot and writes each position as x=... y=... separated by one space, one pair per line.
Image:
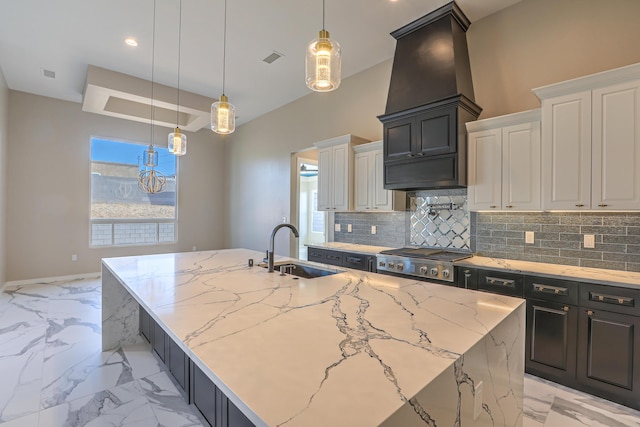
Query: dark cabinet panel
x=550 y=346
x=178 y=364
x=159 y=341
x=145 y=324
x=609 y=355
x=500 y=282
x=467 y=278
x=214 y=405
x=400 y=137
x=556 y=290
x=437 y=132
x=325 y=256
x=342 y=259
x=204 y=395
x=611 y=298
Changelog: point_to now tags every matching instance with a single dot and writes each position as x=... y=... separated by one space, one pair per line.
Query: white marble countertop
x=350 y=247
x=346 y=349
x=626 y=279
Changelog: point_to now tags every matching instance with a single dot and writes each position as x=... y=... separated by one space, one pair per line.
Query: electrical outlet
x=529 y=237
x=336 y=227
x=374 y=229
x=194 y=249
x=477 y=400
x=589 y=241
x=349 y=228
x=74 y=257
x=284 y=219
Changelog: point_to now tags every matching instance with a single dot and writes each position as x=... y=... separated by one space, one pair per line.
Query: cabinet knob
x=509 y=206
x=565 y=308
x=420 y=154
x=603 y=206
x=579 y=205
x=493 y=206
x=589 y=313
x=409 y=155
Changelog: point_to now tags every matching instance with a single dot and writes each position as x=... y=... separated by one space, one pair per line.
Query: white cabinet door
x=341 y=177
x=362 y=181
x=521 y=166
x=485 y=170
x=616 y=147
x=566 y=151
x=325 y=179
x=382 y=199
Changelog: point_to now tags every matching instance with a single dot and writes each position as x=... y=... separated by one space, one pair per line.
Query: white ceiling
x=66 y=36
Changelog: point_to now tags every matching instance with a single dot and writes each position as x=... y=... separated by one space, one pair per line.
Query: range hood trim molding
x=448 y=9
x=459 y=99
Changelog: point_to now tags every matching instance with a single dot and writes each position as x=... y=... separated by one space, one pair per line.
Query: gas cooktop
x=425 y=263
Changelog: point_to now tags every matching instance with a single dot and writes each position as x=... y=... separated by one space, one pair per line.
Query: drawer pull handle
x=509 y=206
x=579 y=205
x=603 y=206
x=546 y=289
x=493 y=206
x=355 y=260
x=501 y=282
x=612 y=299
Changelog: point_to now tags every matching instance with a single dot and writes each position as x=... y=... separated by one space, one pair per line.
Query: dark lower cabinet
x=500 y=282
x=550 y=346
x=353 y=260
x=325 y=256
x=467 y=278
x=213 y=404
x=145 y=324
x=178 y=364
x=159 y=341
x=609 y=355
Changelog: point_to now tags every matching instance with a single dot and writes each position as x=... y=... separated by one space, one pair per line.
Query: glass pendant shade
x=323 y=63
x=223 y=116
x=150 y=157
x=177 y=142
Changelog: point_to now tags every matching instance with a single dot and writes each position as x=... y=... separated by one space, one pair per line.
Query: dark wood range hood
x=430 y=99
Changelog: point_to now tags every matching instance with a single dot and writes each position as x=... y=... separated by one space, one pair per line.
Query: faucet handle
x=266 y=258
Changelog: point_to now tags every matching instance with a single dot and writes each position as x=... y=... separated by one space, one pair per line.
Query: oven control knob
x=382 y=264
x=445 y=274
x=400 y=267
x=423 y=270
x=433 y=272
x=391 y=264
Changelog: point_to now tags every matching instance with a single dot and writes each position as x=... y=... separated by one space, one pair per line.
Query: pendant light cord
x=153 y=53
x=179 y=44
x=224 y=46
x=322 y=14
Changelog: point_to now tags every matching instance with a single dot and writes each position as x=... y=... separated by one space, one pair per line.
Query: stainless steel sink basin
x=303 y=271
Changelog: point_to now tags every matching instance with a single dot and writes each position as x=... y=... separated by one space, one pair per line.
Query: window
x=317 y=224
x=122 y=213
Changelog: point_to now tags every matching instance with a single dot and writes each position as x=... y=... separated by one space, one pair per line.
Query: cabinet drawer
x=610 y=298
x=501 y=283
x=358 y=261
x=325 y=256
x=546 y=289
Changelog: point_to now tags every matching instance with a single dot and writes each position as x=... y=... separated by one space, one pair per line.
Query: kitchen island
x=348 y=349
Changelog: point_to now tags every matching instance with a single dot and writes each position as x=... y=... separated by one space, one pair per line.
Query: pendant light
x=177 y=140
x=150 y=180
x=323 y=61
x=223 y=113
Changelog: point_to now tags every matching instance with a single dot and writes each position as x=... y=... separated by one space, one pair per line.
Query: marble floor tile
x=26 y=421
x=143 y=363
x=538 y=397
x=119 y=406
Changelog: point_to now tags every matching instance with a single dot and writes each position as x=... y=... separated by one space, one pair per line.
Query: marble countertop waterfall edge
x=348 y=349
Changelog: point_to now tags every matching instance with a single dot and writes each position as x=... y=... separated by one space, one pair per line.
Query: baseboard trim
x=49 y=280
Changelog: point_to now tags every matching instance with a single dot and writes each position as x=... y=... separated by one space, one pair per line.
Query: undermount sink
x=303 y=271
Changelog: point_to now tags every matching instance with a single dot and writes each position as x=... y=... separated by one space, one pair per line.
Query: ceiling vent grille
x=48 y=73
x=273 y=57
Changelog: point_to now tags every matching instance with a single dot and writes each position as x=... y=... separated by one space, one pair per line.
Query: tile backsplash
x=558 y=236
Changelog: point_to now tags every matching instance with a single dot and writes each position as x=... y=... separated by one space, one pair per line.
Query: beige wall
x=4 y=125
x=259 y=152
x=533 y=43
x=49 y=188
x=539 y=42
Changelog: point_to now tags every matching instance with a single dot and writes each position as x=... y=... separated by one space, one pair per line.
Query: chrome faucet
x=270 y=254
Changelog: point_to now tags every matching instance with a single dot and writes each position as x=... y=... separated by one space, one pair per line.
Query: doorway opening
x=311 y=223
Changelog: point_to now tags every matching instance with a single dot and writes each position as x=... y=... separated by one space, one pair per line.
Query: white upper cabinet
x=335 y=173
x=504 y=162
x=370 y=194
x=591 y=141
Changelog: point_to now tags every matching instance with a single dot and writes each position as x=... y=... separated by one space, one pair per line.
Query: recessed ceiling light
x=131 y=41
